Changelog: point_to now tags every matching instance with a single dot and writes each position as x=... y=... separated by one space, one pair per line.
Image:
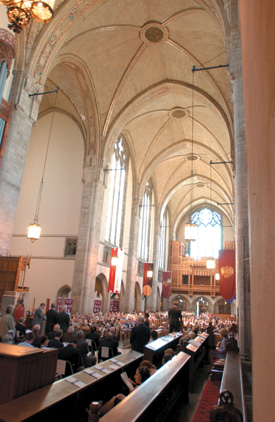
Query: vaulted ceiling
x=126 y=66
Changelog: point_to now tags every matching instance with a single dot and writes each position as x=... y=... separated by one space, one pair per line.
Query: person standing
x=175 y=318
x=51 y=316
x=63 y=319
x=7 y=322
x=146 y=321
x=140 y=335
x=38 y=315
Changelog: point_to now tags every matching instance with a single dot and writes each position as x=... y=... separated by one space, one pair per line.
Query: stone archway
x=101 y=287
x=183 y=303
x=64 y=292
x=201 y=304
x=222 y=307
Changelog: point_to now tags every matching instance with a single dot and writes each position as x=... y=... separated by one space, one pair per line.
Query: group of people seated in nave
x=105 y=330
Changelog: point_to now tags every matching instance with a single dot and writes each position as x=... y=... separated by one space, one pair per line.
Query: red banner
x=114 y=305
x=69 y=303
x=166 y=284
x=116 y=268
x=97 y=306
x=147 y=278
x=59 y=303
x=227 y=274
x=112 y=273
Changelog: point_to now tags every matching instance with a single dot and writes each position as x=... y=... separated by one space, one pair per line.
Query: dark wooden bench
x=155 y=398
x=154 y=351
x=67 y=399
x=197 y=353
x=230 y=401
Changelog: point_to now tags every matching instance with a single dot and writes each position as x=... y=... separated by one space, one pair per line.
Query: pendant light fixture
x=34 y=229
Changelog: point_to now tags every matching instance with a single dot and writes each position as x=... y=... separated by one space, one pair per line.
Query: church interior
x=123 y=123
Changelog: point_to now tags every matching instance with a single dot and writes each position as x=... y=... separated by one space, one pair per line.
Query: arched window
x=208 y=234
x=115 y=208
x=163 y=240
x=146 y=207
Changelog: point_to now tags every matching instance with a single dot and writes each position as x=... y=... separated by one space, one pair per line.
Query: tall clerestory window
x=146 y=208
x=163 y=240
x=208 y=234
x=115 y=207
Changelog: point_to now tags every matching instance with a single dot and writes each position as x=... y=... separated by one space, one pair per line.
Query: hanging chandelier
x=20 y=12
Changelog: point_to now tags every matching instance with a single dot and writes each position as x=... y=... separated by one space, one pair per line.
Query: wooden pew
x=230 y=401
x=154 y=351
x=231 y=392
x=155 y=398
x=25 y=369
x=70 y=400
x=197 y=353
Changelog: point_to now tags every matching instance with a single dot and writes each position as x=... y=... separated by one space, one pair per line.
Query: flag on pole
x=116 y=268
x=227 y=274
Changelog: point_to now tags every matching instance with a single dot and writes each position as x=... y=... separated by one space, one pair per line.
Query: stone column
x=152 y=299
x=24 y=115
x=241 y=191
x=258 y=54
x=88 y=239
x=128 y=304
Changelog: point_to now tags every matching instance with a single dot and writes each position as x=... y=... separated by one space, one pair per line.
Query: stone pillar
x=24 y=115
x=88 y=239
x=241 y=191
x=129 y=297
x=257 y=37
x=152 y=299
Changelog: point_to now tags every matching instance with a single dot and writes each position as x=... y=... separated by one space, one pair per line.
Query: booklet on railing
x=194 y=343
x=125 y=379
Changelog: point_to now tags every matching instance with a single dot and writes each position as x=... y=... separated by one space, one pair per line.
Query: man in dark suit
x=146 y=321
x=175 y=318
x=93 y=335
x=71 y=354
x=83 y=348
x=20 y=327
x=56 y=343
x=140 y=335
x=51 y=316
x=106 y=342
x=63 y=319
x=51 y=334
x=115 y=340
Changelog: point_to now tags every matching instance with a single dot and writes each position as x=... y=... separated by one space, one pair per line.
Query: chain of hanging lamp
x=21 y=12
x=189 y=227
x=34 y=229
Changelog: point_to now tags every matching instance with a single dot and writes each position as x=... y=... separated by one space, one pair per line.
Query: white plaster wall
x=60 y=205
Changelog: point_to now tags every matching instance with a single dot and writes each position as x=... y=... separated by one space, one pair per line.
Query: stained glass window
x=208 y=234
x=116 y=195
x=146 y=208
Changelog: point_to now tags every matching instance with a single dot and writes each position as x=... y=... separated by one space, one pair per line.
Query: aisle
x=185 y=412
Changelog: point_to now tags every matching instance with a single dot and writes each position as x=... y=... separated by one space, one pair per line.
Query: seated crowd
x=69 y=333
